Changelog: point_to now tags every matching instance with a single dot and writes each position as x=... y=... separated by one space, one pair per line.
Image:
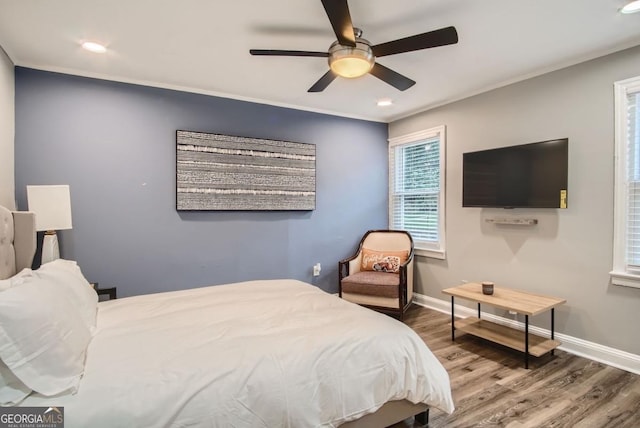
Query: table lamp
x=52 y=206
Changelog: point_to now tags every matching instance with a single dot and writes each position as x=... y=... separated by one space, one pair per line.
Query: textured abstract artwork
x=222 y=172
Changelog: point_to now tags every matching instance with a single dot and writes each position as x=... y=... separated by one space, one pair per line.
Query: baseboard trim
x=583 y=348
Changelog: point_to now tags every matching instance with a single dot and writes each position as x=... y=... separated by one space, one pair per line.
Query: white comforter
x=278 y=353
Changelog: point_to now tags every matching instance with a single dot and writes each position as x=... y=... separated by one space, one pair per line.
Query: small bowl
x=487 y=287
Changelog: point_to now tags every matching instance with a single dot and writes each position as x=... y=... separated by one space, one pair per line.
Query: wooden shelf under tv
x=506 y=336
x=522 y=302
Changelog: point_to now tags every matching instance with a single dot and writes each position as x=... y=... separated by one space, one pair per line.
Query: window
x=416 y=189
x=626 y=244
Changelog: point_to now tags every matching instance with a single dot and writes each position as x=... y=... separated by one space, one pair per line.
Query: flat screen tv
x=525 y=176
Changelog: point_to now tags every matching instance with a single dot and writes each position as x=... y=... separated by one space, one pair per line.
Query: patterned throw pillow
x=383 y=261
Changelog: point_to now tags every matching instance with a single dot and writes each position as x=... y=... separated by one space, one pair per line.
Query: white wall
x=7 y=127
x=569 y=253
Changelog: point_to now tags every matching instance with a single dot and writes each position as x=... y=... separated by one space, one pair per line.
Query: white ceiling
x=203 y=45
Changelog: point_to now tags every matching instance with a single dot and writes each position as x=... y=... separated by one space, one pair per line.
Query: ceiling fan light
x=351 y=62
x=350 y=67
x=631 y=7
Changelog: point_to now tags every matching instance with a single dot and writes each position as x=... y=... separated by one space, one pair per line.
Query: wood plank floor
x=491 y=388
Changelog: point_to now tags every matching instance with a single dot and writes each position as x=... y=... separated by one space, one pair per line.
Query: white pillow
x=43 y=338
x=12 y=390
x=15 y=280
x=66 y=277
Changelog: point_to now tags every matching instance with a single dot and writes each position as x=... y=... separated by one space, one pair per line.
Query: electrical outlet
x=316 y=269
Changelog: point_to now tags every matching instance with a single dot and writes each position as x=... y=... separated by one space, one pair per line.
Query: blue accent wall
x=114 y=144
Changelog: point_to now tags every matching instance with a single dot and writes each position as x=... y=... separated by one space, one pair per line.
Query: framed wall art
x=223 y=173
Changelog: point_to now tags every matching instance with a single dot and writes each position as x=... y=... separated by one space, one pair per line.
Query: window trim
x=416 y=137
x=620 y=275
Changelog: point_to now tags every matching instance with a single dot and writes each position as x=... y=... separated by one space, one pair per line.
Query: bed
x=273 y=353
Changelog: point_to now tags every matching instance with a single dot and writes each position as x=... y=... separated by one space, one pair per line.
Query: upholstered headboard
x=17 y=241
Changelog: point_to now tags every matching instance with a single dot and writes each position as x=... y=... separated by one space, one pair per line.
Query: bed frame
x=18 y=247
x=391 y=413
x=17 y=241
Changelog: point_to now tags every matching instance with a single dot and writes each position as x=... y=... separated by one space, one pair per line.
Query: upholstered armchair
x=380 y=274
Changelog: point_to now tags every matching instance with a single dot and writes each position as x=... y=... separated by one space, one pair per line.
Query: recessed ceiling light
x=94 y=47
x=385 y=102
x=632 y=7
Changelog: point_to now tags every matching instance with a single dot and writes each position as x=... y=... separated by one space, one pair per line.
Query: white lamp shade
x=52 y=206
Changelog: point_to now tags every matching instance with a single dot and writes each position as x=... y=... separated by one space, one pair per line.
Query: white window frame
x=421 y=248
x=621 y=275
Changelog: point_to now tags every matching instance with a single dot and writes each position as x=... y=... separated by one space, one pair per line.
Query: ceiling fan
x=352 y=56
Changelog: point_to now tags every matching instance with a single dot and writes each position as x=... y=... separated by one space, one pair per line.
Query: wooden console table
x=512 y=300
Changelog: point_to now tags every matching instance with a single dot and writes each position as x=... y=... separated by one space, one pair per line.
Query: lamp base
x=50 y=249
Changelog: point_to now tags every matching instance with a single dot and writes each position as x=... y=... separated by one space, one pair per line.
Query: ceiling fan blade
x=432 y=39
x=277 y=52
x=324 y=81
x=391 y=77
x=340 y=18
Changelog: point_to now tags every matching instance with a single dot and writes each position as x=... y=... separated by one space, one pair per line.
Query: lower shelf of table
x=506 y=336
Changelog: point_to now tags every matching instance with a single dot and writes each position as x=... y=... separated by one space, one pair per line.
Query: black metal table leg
x=453 y=320
x=552 y=326
x=478 y=310
x=526 y=341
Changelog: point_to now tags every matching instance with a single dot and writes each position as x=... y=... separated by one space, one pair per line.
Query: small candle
x=487 y=287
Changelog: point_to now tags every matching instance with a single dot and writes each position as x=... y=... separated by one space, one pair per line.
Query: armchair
x=380 y=274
